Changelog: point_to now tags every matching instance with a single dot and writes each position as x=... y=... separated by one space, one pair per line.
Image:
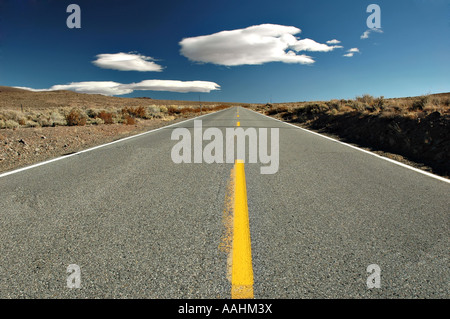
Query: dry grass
x=22 y=108
x=81 y=117
x=414 y=129
x=410 y=107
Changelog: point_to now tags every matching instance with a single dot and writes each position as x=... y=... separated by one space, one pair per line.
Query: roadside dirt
x=25 y=146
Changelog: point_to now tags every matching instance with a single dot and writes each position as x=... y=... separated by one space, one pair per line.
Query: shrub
x=91 y=113
x=106 y=117
x=366 y=99
x=153 y=110
x=334 y=105
x=30 y=123
x=139 y=111
x=163 y=109
x=57 y=119
x=12 y=115
x=314 y=108
x=358 y=105
x=172 y=110
x=97 y=121
x=11 y=124
x=445 y=101
x=379 y=102
x=75 y=118
x=187 y=110
x=333 y=111
x=276 y=110
x=43 y=120
x=129 y=120
x=419 y=103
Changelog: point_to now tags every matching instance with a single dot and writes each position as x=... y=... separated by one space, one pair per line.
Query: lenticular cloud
x=94 y=87
x=174 y=86
x=115 y=88
x=253 y=45
x=127 y=62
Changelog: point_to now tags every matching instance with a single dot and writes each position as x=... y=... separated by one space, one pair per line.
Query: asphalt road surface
x=140 y=226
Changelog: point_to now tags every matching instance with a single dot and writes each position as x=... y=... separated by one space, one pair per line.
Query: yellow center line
x=238 y=124
x=242 y=270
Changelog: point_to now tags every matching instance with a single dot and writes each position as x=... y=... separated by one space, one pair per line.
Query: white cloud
x=174 y=86
x=127 y=62
x=94 y=87
x=114 y=88
x=351 y=52
x=366 y=33
x=251 y=46
x=334 y=41
x=311 y=45
x=31 y=89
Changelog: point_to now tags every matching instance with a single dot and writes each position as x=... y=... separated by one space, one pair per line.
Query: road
x=140 y=226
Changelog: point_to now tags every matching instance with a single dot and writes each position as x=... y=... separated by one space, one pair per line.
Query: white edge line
x=102 y=145
x=443 y=179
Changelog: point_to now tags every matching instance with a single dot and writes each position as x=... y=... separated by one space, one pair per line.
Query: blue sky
x=248 y=64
